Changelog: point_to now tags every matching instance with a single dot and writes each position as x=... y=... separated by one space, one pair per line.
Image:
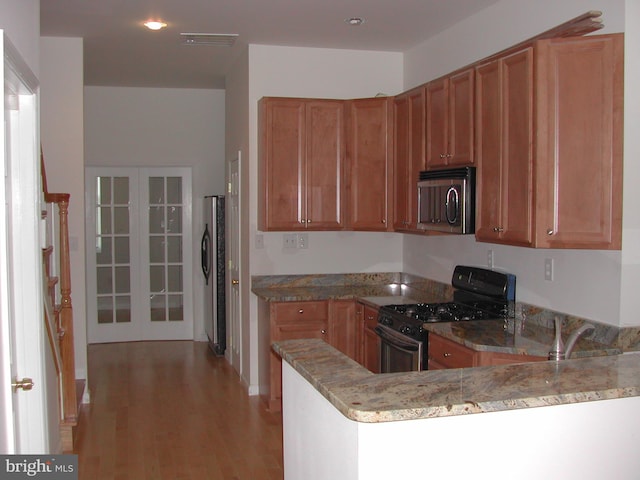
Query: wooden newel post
x=66 y=315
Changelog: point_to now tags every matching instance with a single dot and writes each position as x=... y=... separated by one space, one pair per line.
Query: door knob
x=25 y=384
x=235 y=282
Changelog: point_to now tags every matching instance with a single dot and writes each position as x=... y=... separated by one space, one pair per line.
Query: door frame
x=23 y=344
x=139 y=254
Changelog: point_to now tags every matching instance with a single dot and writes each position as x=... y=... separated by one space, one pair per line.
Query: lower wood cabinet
x=334 y=321
x=370 y=354
x=344 y=332
x=445 y=353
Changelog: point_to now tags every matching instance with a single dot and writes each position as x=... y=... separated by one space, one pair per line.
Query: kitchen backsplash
x=626 y=339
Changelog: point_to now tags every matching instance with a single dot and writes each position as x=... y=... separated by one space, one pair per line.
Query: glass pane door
x=139 y=273
x=167 y=231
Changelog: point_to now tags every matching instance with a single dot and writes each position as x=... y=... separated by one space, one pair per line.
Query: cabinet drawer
x=300 y=310
x=450 y=354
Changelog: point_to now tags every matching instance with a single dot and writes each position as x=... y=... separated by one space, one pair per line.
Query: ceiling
x=119 y=51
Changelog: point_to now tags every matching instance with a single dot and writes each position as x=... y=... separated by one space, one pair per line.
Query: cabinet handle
x=308 y=221
x=446 y=355
x=498 y=229
x=442 y=155
x=384 y=221
x=302 y=220
x=550 y=231
x=301 y=311
x=323 y=331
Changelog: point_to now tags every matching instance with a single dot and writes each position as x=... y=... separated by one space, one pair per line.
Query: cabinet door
x=368 y=156
x=324 y=162
x=460 y=121
x=408 y=157
x=449 y=121
x=579 y=149
x=370 y=340
x=443 y=353
x=504 y=130
x=344 y=334
x=401 y=162
x=436 y=123
x=281 y=164
x=291 y=321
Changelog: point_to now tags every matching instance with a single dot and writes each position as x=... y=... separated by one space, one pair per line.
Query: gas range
x=479 y=294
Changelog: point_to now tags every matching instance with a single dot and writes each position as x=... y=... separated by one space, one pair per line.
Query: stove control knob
x=384 y=320
x=408 y=330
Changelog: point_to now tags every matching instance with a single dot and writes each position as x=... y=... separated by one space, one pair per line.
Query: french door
x=139 y=254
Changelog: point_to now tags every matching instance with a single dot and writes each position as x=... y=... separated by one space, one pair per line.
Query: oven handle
x=397 y=339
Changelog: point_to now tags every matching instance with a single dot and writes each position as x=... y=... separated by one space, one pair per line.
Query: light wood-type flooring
x=172 y=410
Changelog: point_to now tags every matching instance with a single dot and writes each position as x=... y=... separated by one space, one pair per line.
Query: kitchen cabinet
x=288 y=321
x=301 y=164
x=549 y=145
x=334 y=321
x=344 y=331
x=504 y=149
x=499 y=358
x=370 y=354
x=578 y=166
x=408 y=158
x=449 y=121
x=445 y=353
x=369 y=179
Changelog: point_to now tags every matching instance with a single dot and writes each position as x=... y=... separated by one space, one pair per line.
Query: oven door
x=398 y=353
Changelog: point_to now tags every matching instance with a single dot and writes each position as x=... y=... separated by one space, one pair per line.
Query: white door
x=23 y=421
x=233 y=209
x=139 y=269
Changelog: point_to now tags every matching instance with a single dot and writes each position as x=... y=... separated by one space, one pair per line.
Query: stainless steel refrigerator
x=213 y=268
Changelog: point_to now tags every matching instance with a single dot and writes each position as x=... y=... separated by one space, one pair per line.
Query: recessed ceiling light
x=155 y=25
x=355 y=21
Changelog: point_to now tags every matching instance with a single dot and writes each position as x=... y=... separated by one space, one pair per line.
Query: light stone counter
x=366 y=397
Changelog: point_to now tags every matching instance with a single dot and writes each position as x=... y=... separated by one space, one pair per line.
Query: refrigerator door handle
x=205 y=248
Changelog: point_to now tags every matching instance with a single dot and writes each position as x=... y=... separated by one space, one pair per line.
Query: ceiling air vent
x=215 y=39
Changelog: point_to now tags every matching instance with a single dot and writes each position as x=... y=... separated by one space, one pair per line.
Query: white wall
x=162 y=127
x=21 y=22
x=319 y=73
x=630 y=300
x=61 y=133
x=586 y=283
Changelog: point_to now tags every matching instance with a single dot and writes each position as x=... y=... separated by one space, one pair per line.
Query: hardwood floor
x=172 y=410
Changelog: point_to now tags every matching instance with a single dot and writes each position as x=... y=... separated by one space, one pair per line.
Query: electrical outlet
x=303 y=240
x=289 y=241
x=548 y=269
x=490 y=259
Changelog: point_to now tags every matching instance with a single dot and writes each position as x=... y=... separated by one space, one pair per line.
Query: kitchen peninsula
x=568 y=419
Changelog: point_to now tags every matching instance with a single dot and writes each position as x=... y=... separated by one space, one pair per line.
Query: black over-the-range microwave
x=446 y=200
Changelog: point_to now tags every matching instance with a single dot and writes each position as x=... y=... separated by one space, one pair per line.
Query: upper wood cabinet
x=449 y=121
x=369 y=150
x=504 y=149
x=301 y=164
x=549 y=145
x=408 y=158
x=578 y=170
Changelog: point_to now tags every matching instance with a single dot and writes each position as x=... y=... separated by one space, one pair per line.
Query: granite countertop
x=518 y=338
x=366 y=397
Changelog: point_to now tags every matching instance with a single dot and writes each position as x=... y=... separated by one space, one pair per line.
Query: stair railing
x=57 y=268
